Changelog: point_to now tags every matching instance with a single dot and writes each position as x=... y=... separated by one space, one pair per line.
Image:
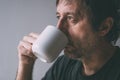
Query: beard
x=72 y=51
x=78 y=50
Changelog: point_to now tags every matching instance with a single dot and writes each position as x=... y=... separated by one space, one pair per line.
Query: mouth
x=70 y=48
x=70 y=51
x=70 y=43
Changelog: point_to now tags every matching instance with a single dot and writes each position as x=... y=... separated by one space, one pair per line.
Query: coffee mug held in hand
x=49 y=44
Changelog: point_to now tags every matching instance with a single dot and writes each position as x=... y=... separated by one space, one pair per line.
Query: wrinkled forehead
x=79 y=5
x=67 y=2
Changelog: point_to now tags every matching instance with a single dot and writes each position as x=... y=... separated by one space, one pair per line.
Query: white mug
x=49 y=44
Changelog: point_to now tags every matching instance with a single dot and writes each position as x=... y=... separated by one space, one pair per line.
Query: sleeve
x=52 y=73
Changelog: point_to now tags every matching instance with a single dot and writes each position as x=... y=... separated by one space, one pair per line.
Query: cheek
x=78 y=33
x=81 y=37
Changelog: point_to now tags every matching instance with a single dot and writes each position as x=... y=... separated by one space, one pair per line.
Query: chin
x=72 y=54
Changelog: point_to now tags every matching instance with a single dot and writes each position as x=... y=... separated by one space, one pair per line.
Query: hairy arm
x=26 y=57
x=24 y=72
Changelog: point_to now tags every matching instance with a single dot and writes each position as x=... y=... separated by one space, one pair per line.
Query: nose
x=62 y=25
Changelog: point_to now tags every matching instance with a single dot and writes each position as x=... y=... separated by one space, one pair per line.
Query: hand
x=25 y=53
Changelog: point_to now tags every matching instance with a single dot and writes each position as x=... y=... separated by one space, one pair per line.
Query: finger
x=22 y=50
x=26 y=44
x=25 y=52
x=35 y=35
x=25 y=49
x=29 y=39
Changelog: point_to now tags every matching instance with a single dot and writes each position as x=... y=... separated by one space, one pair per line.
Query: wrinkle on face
x=80 y=34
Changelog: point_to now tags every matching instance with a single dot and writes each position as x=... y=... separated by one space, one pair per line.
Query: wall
x=19 y=18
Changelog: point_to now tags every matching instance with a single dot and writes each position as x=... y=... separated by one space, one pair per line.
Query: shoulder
x=60 y=68
x=116 y=56
x=63 y=62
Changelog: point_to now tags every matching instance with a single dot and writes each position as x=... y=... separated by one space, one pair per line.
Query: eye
x=57 y=16
x=70 y=17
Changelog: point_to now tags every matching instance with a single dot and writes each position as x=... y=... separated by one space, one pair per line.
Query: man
x=91 y=27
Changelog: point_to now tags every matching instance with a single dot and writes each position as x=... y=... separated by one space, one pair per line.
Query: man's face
x=82 y=38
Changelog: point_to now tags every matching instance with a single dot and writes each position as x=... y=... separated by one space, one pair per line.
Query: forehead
x=66 y=1
x=67 y=6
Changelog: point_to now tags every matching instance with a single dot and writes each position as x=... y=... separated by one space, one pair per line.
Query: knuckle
x=30 y=49
x=25 y=37
x=20 y=44
x=32 y=33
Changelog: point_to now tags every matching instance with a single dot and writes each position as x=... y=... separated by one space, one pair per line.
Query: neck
x=95 y=61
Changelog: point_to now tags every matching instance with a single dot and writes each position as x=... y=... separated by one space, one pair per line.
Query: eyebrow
x=57 y=13
x=67 y=13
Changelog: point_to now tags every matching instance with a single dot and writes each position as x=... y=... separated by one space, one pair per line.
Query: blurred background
x=17 y=19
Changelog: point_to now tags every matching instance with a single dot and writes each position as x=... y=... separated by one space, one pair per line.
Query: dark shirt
x=68 y=69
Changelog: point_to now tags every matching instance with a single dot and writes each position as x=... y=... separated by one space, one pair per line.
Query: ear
x=106 y=26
